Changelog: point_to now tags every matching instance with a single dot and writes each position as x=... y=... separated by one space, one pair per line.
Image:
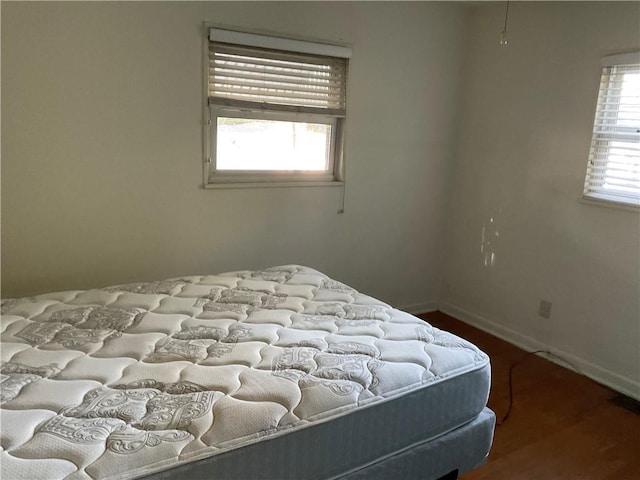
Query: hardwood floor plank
x=562 y=424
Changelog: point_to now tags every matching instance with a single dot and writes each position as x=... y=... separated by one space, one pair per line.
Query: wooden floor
x=562 y=425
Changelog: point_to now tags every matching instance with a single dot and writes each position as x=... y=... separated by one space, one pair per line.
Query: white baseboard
x=418 y=308
x=601 y=375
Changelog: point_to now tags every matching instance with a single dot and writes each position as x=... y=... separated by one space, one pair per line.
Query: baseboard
x=601 y=375
x=418 y=308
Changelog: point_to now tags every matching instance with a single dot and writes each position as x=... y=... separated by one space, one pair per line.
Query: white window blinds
x=247 y=74
x=613 y=172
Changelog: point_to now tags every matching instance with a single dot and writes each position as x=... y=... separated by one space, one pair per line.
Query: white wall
x=102 y=148
x=524 y=139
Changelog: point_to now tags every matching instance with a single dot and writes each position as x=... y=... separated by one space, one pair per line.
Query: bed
x=282 y=373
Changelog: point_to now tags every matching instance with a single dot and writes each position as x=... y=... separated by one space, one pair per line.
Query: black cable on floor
x=515 y=364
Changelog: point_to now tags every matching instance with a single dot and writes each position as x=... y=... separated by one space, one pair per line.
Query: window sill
x=268 y=184
x=597 y=202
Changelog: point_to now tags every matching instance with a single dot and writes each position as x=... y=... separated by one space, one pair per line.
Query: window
x=613 y=171
x=276 y=110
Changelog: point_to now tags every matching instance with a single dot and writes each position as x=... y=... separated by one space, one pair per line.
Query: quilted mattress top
x=124 y=381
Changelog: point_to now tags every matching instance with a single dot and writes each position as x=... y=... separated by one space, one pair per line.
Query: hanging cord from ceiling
x=503 y=35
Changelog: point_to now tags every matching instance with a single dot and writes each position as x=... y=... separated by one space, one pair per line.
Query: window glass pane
x=252 y=144
x=621 y=172
x=629 y=114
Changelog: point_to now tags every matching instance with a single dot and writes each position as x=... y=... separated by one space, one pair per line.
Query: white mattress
x=126 y=381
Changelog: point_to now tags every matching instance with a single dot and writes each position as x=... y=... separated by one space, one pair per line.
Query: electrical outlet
x=544 y=310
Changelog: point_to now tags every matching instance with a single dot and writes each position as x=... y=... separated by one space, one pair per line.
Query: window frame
x=600 y=139
x=220 y=107
x=327 y=175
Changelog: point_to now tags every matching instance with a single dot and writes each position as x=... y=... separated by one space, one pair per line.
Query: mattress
x=266 y=373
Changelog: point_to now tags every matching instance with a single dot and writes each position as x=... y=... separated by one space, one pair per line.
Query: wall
x=525 y=131
x=102 y=148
